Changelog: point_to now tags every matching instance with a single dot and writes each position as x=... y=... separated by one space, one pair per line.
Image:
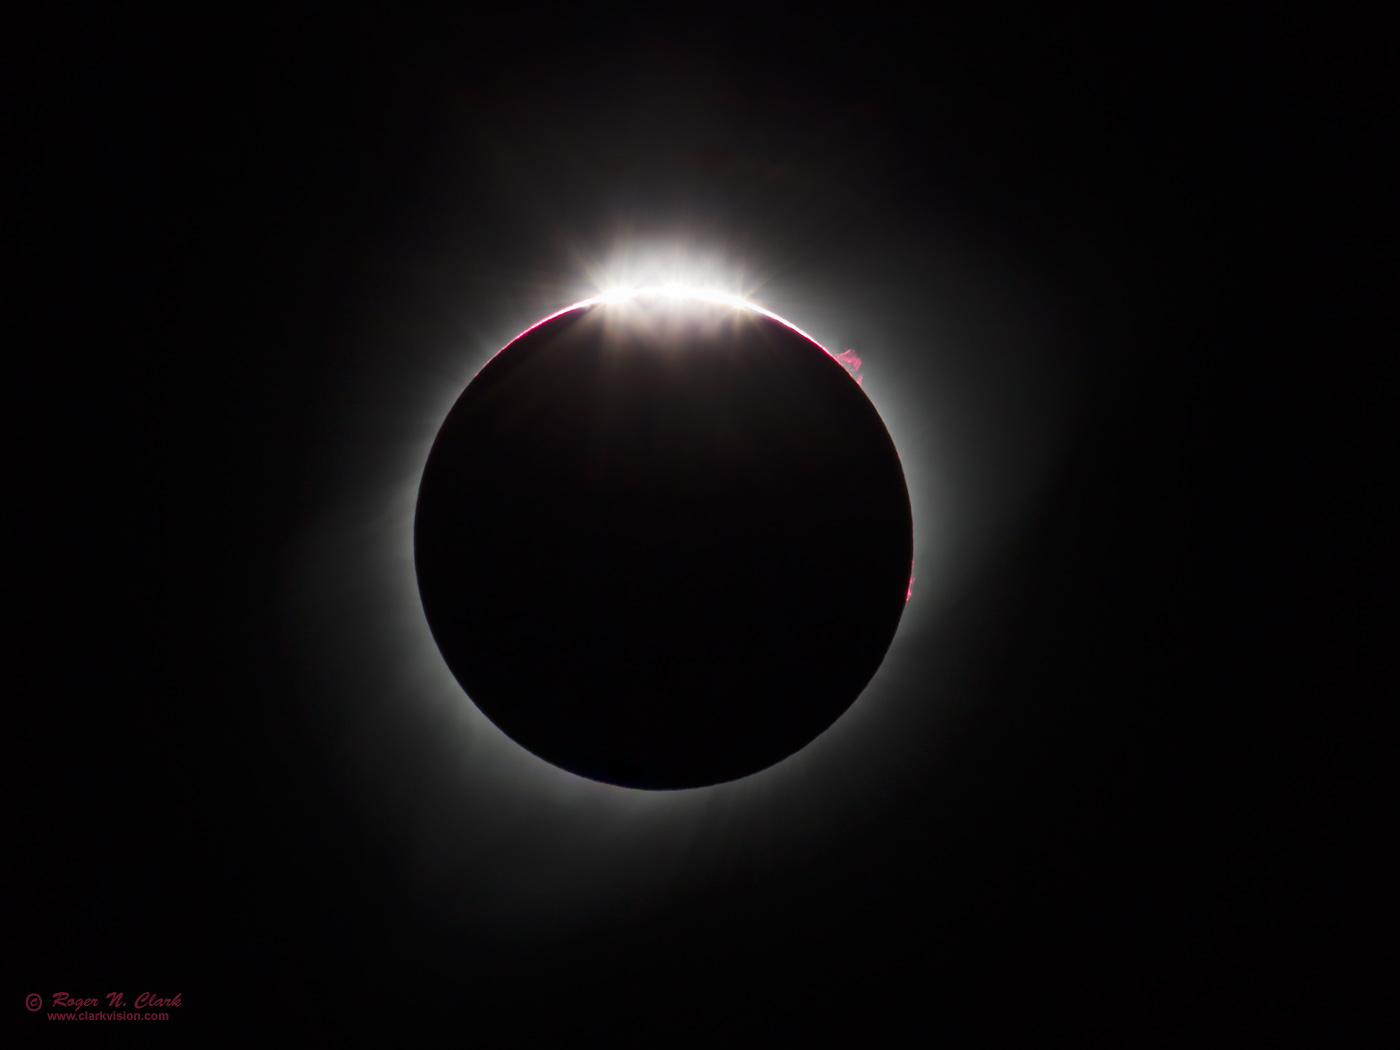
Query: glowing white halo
x=495 y=835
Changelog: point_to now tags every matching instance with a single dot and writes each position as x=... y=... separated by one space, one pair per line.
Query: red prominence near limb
x=851 y=360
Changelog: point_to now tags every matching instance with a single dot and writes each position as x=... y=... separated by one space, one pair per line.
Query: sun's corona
x=633 y=535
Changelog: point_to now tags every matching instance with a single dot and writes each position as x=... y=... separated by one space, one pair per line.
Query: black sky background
x=1161 y=814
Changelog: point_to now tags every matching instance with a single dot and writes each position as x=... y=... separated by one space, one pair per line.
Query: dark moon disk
x=663 y=542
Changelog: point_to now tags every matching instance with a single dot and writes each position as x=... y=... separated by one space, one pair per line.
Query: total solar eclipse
x=663 y=540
